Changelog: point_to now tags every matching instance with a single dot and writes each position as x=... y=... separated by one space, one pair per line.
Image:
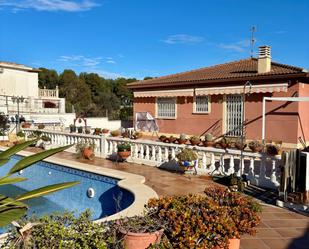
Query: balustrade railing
x=260 y=168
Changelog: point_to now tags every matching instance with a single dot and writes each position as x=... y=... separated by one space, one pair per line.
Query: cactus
x=209 y=137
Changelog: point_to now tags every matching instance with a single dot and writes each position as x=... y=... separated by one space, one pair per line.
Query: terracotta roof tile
x=231 y=70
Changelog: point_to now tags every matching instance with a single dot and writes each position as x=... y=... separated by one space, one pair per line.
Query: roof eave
x=304 y=76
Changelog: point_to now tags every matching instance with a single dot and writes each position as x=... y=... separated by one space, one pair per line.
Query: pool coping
x=128 y=181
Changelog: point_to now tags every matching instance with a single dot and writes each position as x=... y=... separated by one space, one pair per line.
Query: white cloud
x=49 y=5
x=240 y=46
x=183 y=39
x=80 y=60
x=111 y=62
x=108 y=75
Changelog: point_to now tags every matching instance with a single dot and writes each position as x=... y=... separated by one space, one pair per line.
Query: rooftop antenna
x=253 y=40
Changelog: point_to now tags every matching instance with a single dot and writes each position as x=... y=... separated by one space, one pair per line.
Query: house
x=20 y=93
x=209 y=100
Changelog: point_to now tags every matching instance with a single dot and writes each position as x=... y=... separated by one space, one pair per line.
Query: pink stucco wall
x=282 y=122
x=303 y=127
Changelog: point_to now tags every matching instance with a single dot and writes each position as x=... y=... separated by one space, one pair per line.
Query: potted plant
x=162 y=138
x=85 y=150
x=140 y=232
x=182 y=139
x=124 y=150
x=125 y=133
x=115 y=133
x=172 y=139
x=46 y=142
x=239 y=145
x=256 y=146
x=72 y=128
x=225 y=143
x=137 y=135
x=195 y=140
x=80 y=129
x=41 y=126
x=187 y=159
x=209 y=140
x=216 y=219
x=273 y=149
x=87 y=131
x=105 y=131
x=25 y=125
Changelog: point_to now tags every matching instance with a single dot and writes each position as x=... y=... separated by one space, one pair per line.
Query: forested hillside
x=90 y=94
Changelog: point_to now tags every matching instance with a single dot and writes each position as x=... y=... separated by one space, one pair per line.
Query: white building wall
x=18 y=82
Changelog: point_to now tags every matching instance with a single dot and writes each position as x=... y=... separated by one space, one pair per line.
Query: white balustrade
x=153 y=153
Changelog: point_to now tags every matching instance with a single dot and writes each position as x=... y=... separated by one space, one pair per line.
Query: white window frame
x=202 y=112
x=157 y=108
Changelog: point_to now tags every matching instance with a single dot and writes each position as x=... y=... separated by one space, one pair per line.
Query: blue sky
x=138 y=38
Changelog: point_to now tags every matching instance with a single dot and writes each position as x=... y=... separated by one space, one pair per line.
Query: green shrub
x=62 y=231
x=187 y=155
x=124 y=147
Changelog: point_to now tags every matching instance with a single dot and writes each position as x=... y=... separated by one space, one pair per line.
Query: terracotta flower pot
x=208 y=143
x=233 y=244
x=256 y=149
x=182 y=141
x=25 y=125
x=224 y=145
x=194 y=142
x=238 y=146
x=105 y=131
x=141 y=240
x=124 y=154
x=88 y=153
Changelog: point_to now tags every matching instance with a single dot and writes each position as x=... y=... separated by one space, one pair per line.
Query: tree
x=48 y=78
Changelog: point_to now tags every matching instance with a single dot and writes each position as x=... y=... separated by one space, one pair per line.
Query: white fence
x=261 y=169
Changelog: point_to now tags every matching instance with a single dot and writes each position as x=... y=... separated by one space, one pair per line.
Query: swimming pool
x=108 y=198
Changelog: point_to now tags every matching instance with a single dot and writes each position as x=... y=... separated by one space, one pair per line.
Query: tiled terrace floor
x=279 y=229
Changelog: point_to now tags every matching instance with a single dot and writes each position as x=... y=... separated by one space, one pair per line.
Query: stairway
x=265 y=195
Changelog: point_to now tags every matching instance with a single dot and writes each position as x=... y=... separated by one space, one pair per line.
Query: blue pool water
x=108 y=198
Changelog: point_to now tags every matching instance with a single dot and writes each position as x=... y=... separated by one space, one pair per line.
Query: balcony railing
x=260 y=168
x=49 y=93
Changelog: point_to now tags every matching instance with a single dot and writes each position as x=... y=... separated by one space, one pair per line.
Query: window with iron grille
x=234 y=116
x=201 y=104
x=166 y=107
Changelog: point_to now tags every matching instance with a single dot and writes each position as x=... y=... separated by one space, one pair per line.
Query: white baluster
x=153 y=153
x=147 y=152
x=273 y=177
x=262 y=175
x=204 y=161
x=212 y=162
x=141 y=154
x=136 y=151
x=166 y=154
x=173 y=154
x=222 y=163
x=251 y=170
x=241 y=166
x=231 y=168
x=159 y=155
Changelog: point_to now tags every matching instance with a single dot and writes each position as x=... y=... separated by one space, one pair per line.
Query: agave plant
x=13 y=208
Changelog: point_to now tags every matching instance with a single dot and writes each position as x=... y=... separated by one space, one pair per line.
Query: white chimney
x=264 y=60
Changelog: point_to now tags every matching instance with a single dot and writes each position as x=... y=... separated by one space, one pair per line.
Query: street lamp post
x=18 y=100
x=247 y=84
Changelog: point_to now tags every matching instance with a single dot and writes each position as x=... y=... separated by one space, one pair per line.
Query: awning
x=165 y=93
x=270 y=88
x=265 y=88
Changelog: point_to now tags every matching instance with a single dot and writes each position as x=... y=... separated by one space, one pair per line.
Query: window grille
x=201 y=104
x=166 y=107
x=234 y=116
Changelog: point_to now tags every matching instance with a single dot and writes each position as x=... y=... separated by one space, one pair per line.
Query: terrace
x=280 y=228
